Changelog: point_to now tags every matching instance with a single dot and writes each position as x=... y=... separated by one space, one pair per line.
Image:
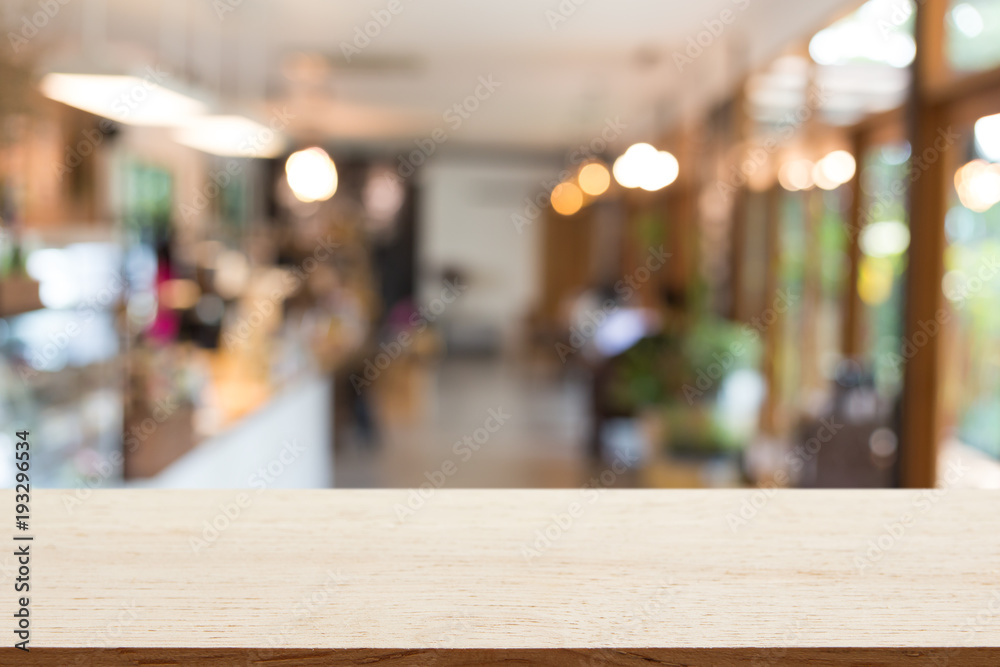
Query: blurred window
x=884 y=238
x=971 y=287
x=791 y=277
x=862 y=61
x=147 y=195
x=830 y=275
x=972 y=35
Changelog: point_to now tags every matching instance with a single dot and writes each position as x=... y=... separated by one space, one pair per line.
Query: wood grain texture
x=635 y=577
x=679 y=657
x=921 y=425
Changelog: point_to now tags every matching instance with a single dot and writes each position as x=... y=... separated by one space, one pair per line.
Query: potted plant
x=653 y=382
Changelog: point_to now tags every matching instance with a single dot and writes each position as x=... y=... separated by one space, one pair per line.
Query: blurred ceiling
x=564 y=67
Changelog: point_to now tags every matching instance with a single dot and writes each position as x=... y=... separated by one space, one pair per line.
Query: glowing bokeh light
x=978 y=185
x=594 y=179
x=642 y=166
x=796 y=175
x=885 y=238
x=311 y=174
x=566 y=199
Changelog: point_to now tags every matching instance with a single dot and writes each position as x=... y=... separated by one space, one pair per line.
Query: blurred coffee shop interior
x=247 y=243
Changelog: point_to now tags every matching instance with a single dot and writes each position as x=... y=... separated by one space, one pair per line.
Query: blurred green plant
x=651 y=377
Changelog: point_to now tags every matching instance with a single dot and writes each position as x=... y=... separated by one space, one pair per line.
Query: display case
x=61 y=366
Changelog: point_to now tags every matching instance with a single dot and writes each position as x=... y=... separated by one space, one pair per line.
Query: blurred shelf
x=18 y=295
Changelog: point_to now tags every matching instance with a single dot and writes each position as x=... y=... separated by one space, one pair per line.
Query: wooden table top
x=578 y=576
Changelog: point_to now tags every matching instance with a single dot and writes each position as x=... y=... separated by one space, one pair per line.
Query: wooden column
x=737 y=251
x=851 y=334
x=920 y=419
x=810 y=377
x=772 y=337
x=566 y=261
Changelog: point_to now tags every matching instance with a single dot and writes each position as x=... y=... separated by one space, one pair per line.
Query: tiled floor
x=538 y=444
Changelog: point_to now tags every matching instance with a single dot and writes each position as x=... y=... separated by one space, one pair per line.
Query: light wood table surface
x=555 y=577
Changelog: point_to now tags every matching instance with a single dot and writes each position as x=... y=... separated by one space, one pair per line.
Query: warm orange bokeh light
x=566 y=199
x=594 y=179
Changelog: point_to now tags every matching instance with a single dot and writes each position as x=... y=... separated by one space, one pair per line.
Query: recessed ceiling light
x=123 y=98
x=230 y=136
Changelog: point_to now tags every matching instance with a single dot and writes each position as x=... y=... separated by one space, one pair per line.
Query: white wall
x=465 y=222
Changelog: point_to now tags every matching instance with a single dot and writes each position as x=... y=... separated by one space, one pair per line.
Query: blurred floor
x=540 y=442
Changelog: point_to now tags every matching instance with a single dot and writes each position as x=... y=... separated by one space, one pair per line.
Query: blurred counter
x=209 y=416
x=283 y=443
